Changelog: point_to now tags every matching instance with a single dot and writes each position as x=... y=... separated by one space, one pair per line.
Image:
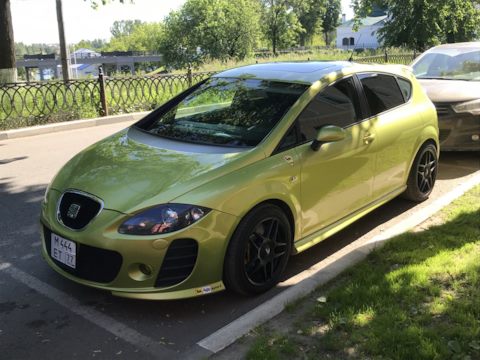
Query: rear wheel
x=422 y=174
x=258 y=251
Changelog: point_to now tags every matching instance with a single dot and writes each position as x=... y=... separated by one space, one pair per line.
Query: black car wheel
x=422 y=174
x=258 y=251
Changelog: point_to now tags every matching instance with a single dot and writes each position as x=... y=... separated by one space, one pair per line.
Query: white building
x=365 y=38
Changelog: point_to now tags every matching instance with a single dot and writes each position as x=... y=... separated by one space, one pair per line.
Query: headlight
x=472 y=107
x=162 y=219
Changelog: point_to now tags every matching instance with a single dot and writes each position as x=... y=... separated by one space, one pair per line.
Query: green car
x=219 y=186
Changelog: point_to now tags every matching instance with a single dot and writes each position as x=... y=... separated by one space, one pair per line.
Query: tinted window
x=405 y=88
x=289 y=140
x=382 y=92
x=227 y=111
x=336 y=105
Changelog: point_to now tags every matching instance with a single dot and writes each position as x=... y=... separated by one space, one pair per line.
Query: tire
x=422 y=174
x=258 y=251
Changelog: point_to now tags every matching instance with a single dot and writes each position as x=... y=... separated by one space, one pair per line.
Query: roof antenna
x=354 y=48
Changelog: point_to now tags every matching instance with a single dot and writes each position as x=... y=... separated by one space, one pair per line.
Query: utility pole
x=64 y=55
x=8 y=71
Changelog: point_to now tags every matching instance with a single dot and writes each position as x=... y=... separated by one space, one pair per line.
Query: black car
x=450 y=74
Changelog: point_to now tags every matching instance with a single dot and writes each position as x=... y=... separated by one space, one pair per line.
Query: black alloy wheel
x=427 y=171
x=258 y=251
x=422 y=174
x=265 y=250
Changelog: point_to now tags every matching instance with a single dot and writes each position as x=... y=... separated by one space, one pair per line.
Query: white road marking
x=28 y=256
x=103 y=321
x=320 y=273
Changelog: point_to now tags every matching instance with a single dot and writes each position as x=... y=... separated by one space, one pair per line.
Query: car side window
x=382 y=92
x=338 y=105
x=405 y=88
x=289 y=140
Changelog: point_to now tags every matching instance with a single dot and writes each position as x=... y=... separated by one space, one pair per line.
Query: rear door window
x=382 y=92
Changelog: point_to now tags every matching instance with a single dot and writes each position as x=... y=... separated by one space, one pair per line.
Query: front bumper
x=211 y=234
x=457 y=130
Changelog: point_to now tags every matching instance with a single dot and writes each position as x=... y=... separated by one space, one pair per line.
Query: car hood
x=450 y=91
x=132 y=170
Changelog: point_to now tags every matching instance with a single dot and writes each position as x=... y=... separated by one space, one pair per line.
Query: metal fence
x=35 y=103
x=404 y=59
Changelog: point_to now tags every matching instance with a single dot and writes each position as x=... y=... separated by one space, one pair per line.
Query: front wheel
x=422 y=174
x=258 y=251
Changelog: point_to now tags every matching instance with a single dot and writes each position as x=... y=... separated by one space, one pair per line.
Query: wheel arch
x=282 y=205
x=429 y=135
x=285 y=208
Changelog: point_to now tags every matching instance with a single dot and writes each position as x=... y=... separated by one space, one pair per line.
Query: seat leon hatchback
x=219 y=186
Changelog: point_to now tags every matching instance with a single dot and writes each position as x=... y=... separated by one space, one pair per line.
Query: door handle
x=368 y=138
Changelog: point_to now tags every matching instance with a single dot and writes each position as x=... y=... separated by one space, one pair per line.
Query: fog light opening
x=140 y=272
x=475 y=137
x=145 y=269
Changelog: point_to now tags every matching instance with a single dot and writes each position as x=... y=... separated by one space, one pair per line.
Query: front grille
x=92 y=263
x=443 y=109
x=76 y=209
x=178 y=263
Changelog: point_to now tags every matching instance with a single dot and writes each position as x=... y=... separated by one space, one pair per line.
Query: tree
x=143 y=37
x=216 y=29
x=95 y=44
x=64 y=53
x=330 y=18
x=8 y=70
x=309 y=14
x=124 y=27
x=420 y=24
x=280 y=24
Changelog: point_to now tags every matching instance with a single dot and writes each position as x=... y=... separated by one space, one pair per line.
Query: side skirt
x=315 y=238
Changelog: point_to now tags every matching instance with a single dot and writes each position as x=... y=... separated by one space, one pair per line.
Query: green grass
x=416 y=298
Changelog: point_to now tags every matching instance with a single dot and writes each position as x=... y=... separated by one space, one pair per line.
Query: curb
x=69 y=125
x=322 y=272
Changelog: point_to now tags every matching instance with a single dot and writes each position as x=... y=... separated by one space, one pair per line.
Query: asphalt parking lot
x=43 y=315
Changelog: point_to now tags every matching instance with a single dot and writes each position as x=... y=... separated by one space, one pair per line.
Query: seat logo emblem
x=73 y=210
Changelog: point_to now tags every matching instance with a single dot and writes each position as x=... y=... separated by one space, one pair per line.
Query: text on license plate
x=63 y=250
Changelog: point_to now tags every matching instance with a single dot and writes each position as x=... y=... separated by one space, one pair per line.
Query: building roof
x=83 y=52
x=367 y=21
x=299 y=72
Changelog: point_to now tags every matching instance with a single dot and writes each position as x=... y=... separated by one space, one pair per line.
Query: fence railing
x=404 y=59
x=35 y=103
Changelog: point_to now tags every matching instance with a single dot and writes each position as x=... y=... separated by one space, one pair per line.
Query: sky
x=34 y=21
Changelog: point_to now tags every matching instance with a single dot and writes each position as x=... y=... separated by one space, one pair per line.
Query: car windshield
x=449 y=64
x=227 y=111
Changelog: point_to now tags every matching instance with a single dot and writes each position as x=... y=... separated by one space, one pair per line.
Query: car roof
x=459 y=46
x=299 y=72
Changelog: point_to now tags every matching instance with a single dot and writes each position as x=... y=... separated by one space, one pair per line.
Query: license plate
x=63 y=250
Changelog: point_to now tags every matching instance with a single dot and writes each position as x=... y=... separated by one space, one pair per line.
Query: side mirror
x=328 y=133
